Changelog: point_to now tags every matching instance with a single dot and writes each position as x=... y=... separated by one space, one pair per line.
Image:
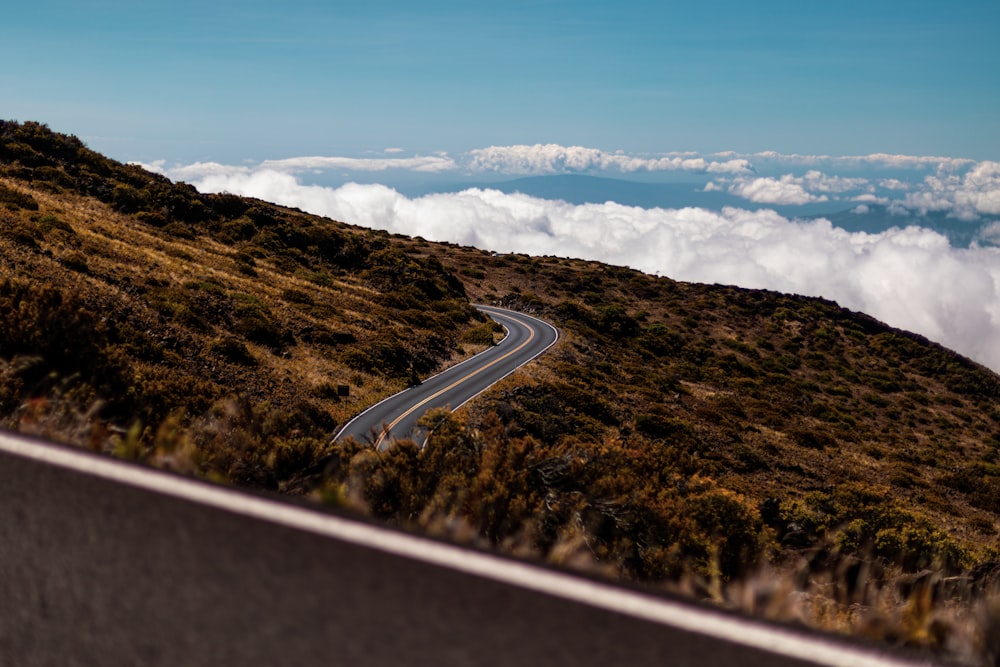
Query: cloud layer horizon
x=908 y=277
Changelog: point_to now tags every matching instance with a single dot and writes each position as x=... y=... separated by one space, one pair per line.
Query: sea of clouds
x=908 y=277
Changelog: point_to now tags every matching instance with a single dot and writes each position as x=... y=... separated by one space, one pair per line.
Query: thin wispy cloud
x=908 y=277
x=884 y=160
x=198 y=170
x=429 y=163
x=817 y=181
x=870 y=198
x=194 y=171
x=546 y=159
x=556 y=159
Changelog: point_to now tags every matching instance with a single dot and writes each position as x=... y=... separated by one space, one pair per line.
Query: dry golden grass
x=124 y=268
x=741 y=445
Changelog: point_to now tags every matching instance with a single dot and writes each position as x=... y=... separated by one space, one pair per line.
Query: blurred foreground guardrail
x=103 y=562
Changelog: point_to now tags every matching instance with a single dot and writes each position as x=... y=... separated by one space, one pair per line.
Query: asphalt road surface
x=396 y=417
x=108 y=563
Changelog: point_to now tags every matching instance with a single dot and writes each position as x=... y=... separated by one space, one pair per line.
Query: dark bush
x=233 y=350
x=152 y=218
x=179 y=230
x=614 y=321
x=659 y=426
x=483 y=334
x=76 y=261
x=812 y=438
x=15 y=199
x=71 y=343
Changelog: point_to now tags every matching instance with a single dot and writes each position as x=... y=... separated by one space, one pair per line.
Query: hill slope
x=129 y=301
x=678 y=432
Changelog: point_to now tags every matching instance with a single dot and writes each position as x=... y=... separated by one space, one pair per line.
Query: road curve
x=396 y=417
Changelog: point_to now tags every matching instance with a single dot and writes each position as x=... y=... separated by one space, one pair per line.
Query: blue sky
x=742 y=121
x=229 y=81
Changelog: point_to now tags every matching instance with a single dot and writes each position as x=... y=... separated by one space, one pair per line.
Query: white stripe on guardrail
x=691 y=618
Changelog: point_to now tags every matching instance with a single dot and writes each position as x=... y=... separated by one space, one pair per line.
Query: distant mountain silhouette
x=876 y=219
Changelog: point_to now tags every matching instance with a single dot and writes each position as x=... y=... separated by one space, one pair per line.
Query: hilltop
x=684 y=433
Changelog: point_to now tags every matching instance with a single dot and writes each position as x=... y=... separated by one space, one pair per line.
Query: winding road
x=396 y=417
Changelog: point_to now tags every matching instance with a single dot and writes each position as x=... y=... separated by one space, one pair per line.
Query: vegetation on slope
x=702 y=434
x=136 y=309
x=694 y=434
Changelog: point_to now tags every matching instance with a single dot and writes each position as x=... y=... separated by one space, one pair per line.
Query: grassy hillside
x=789 y=401
x=136 y=310
x=776 y=453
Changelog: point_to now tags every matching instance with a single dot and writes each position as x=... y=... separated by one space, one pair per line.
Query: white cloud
x=156 y=166
x=554 y=159
x=871 y=199
x=817 y=181
x=968 y=197
x=431 y=163
x=192 y=171
x=786 y=190
x=790 y=189
x=990 y=234
x=963 y=189
x=537 y=159
x=911 y=278
x=197 y=170
x=912 y=161
x=894 y=184
x=736 y=166
x=885 y=160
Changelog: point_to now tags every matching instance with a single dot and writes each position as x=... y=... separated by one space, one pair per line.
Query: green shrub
x=152 y=218
x=179 y=230
x=475 y=274
x=256 y=323
x=483 y=334
x=728 y=532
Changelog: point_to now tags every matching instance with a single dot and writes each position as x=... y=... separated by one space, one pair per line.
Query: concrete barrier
x=103 y=562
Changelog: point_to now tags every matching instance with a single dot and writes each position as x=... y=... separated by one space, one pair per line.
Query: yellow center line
x=387 y=429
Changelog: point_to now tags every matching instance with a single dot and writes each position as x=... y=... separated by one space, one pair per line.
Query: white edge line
x=503 y=313
x=696 y=620
x=442 y=372
x=510 y=315
x=482 y=309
